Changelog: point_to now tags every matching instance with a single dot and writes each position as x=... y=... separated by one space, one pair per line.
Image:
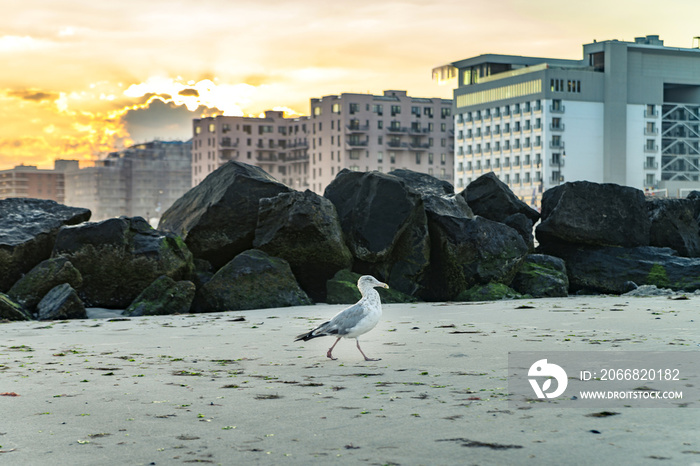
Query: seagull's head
x=368 y=281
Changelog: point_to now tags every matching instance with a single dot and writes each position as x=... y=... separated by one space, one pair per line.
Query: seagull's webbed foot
x=364 y=355
x=330 y=350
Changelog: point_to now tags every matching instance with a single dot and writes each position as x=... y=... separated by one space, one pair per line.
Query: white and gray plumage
x=354 y=321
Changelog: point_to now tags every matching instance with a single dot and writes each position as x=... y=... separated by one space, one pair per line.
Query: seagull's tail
x=319 y=331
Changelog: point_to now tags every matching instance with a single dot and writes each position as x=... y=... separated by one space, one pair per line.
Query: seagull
x=354 y=321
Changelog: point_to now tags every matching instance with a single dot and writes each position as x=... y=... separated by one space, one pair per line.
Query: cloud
x=160 y=120
x=189 y=93
x=34 y=95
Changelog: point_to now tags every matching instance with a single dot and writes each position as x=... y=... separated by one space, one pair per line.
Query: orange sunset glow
x=83 y=78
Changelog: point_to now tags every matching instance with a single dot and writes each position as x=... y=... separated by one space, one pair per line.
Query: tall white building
x=626 y=113
x=276 y=144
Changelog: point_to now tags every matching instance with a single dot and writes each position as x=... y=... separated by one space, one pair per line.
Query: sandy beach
x=233 y=388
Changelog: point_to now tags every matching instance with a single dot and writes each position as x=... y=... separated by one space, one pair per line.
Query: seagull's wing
x=346 y=319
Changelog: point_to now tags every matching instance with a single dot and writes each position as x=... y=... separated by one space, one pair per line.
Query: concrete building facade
x=366 y=132
x=143 y=180
x=276 y=144
x=31 y=182
x=354 y=131
x=626 y=113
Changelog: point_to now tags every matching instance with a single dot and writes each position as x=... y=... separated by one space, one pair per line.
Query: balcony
x=556 y=162
x=419 y=147
x=651 y=165
x=556 y=108
x=557 y=178
x=357 y=143
x=396 y=129
x=556 y=145
x=559 y=127
x=397 y=144
x=266 y=158
x=357 y=128
x=226 y=143
x=651 y=148
x=298 y=145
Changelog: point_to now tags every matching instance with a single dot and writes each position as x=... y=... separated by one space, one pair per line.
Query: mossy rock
x=542 y=276
x=30 y=289
x=658 y=276
x=10 y=310
x=163 y=297
x=252 y=280
x=342 y=289
x=489 y=292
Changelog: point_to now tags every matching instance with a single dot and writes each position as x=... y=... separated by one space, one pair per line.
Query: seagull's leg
x=363 y=353
x=328 y=354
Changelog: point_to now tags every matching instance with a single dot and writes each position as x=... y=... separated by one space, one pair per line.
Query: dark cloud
x=189 y=92
x=160 y=120
x=34 y=95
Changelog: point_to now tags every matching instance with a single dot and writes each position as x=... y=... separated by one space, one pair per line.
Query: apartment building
x=366 y=132
x=277 y=144
x=143 y=180
x=31 y=182
x=626 y=113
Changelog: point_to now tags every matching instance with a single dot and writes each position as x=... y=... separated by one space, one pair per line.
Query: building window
x=354 y=108
x=395 y=110
x=336 y=108
x=378 y=109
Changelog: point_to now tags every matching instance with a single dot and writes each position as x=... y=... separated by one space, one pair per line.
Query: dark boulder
x=523 y=225
x=491 y=198
x=162 y=297
x=303 y=229
x=217 y=218
x=674 y=224
x=466 y=252
x=426 y=184
x=613 y=269
x=385 y=227
x=118 y=258
x=27 y=234
x=61 y=302
x=438 y=196
x=32 y=287
x=542 y=276
x=342 y=289
x=10 y=310
x=252 y=280
x=593 y=214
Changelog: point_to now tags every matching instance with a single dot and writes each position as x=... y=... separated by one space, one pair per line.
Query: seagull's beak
x=384 y=285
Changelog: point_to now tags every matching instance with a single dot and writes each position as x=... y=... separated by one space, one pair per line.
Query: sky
x=81 y=78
